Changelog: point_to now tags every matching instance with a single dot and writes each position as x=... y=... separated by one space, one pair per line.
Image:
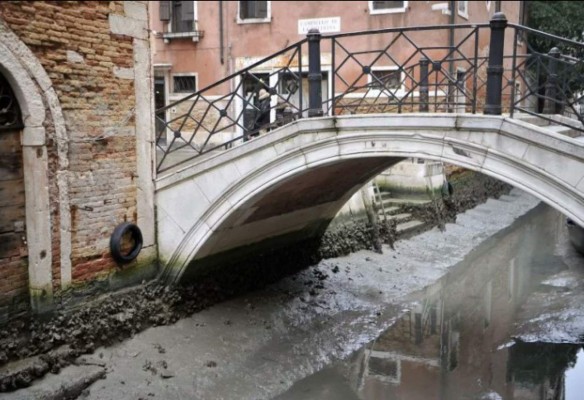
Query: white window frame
x=376 y=92
x=268 y=18
x=388 y=10
x=195 y=19
x=169 y=34
x=179 y=95
x=463 y=13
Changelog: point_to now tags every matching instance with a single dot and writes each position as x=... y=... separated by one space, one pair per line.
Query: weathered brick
x=94 y=101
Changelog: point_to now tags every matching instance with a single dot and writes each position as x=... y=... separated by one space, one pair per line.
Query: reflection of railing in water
x=407 y=72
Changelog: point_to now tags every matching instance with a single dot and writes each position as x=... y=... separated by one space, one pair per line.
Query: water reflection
x=455 y=342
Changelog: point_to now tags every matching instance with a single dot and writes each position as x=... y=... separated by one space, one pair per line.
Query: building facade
x=196 y=44
x=75 y=147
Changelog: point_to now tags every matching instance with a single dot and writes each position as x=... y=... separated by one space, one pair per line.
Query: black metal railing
x=397 y=70
x=425 y=77
x=551 y=82
x=232 y=109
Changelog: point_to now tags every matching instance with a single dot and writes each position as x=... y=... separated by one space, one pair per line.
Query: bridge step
x=410 y=228
x=400 y=202
x=389 y=210
x=398 y=218
x=532 y=119
x=382 y=195
x=563 y=130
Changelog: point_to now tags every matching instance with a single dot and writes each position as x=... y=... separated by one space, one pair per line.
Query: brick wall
x=92 y=73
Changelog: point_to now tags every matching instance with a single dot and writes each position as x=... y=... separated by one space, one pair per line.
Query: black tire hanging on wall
x=116 y=242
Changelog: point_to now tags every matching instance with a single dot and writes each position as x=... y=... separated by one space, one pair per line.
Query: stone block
x=127 y=26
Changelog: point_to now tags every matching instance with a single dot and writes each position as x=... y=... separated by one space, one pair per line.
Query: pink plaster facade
x=241 y=40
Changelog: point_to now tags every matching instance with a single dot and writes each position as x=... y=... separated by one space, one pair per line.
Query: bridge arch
x=233 y=189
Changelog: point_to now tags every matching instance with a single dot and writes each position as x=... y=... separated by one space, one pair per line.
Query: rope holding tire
x=116 y=242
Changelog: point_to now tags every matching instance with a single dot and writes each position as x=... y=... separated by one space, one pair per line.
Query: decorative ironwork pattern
x=268 y=90
x=10 y=117
x=398 y=70
x=550 y=83
x=432 y=78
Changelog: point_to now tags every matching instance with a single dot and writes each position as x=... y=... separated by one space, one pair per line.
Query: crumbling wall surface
x=83 y=58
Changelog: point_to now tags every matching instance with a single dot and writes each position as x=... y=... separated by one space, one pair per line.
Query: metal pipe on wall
x=221 y=58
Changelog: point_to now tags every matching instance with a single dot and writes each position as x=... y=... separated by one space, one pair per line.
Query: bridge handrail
x=546 y=35
x=405 y=29
x=233 y=75
x=542 y=77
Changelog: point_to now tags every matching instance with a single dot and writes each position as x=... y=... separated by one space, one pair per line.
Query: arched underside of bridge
x=287 y=186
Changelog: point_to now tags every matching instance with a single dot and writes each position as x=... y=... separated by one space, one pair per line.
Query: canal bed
x=439 y=317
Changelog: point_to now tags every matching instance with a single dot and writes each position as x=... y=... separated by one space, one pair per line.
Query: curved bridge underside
x=289 y=184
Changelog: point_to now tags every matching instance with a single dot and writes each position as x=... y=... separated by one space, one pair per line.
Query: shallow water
x=505 y=323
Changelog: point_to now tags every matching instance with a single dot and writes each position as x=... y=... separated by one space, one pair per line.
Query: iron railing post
x=495 y=68
x=314 y=74
x=551 y=93
x=424 y=96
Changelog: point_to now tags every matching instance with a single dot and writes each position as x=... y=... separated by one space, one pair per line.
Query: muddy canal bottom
x=491 y=308
x=506 y=323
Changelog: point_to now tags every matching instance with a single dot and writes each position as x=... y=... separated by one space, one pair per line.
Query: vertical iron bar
x=513 y=74
x=334 y=75
x=314 y=74
x=495 y=68
x=300 y=75
x=424 y=96
x=551 y=95
x=476 y=72
x=435 y=90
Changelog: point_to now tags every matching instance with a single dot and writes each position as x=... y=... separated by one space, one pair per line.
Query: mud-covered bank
x=469 y=189
x=118 y=316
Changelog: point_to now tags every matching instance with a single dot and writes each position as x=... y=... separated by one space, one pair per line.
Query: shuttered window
x=180 y=14
x=387 y=7
x=383 y=5
x=253 y=10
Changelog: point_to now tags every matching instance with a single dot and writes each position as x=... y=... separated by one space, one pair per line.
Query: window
x=386 y=7
x=288 y=82
x=253 y=12
x=463 y=9
x=181 y=20
x=184 y=83
x=385 y=79
x=10 y=117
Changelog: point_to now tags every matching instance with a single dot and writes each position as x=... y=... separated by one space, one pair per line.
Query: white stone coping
x=384 y=125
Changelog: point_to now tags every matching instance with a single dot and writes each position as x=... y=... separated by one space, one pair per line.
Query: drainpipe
x=221 y=32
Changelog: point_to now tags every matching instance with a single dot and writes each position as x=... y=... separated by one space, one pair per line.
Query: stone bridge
x=220 y=196
x=289 y=184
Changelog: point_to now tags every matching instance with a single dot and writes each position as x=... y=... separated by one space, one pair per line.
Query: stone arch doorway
x=14 y=292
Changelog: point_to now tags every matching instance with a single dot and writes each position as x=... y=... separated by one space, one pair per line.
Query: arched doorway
x=14 y=291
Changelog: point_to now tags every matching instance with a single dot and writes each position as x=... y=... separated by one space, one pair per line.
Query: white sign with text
x=324 y=25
